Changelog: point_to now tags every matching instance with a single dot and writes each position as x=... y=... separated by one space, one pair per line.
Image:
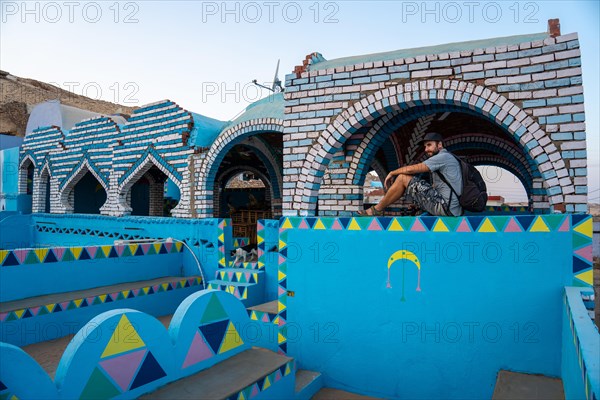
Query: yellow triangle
x=238 y=276
x=353 y=225
x=267 y=383
x=102 y=298
x=124 y=338
x=319 y=224
x=133 y=248
x=280 y=275
x=106 y=250
x=222 y=261
x=395 y=226
x=3 y=254
x=288 y=370
x=487 y=226
x=241 y=396
x=585 y=228
x=280 y=306
x=282 y=244
x=287 y=224
x=76 y=251
x=165 y=286
x=261 y=264
x=232 y=339
x=280 y=338
x=259 y=239
x=245 y=294
x=146 y=289
x=253 y=316
x=586 y=276
x=182 y=283
x=41 y=254
x=179 y=246
x=440 y=226
x=276 y=321
x=19 y=313
x=14 y=397
x=78 y=302
x=50 y=307
x=222 y=237
x=125 y=293
x=255 y=276
x=539 y=226
x=156 y=247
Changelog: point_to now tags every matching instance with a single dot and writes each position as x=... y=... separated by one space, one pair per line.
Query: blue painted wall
x=580 y=367
x=488 y=301
x=271 y=258
x=9 y=179
x=16 y=231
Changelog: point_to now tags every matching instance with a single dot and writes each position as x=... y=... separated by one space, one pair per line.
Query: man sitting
x=436 y=199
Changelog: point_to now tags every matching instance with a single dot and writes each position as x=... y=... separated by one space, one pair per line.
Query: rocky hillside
x=18 y=95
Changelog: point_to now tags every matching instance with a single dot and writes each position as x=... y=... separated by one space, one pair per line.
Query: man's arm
x=407 y=170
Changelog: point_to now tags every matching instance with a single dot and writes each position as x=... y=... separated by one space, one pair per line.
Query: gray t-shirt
x=448 y=166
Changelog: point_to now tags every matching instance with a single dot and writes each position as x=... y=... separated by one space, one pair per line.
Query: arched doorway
x=26 y=178
x=88 y=195
x=147 y=195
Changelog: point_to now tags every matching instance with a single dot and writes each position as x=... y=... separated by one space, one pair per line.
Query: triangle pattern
x=525 y=221
x=232 y=339
x=463 y=226
x=586 y=276
x=512 y=226
x=584 y=228
x=50 y=257
x=487 y=226
x=585 y=253
x=99 y=386
x=150 y=371
x=213 y=333
x=440 y=226
x=197 y=352
x=214 y=311
x=579 y=265
x=579 y=241
x=428 y=222
x=553 y=221
x=451 y=223
x=539 y=225
x=122 y=339
x=122 y=368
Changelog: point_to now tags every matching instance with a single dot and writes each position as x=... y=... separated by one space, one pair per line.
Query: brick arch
x=268 y=157
x=401 y=97
x=229 y=138
x=23 y=166
x=230 y=172
x=137 y=171
x=69 y=184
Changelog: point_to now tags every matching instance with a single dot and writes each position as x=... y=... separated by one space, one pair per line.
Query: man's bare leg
x=394 y=192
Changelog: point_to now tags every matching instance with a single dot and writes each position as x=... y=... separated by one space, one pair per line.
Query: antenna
x=276 y=87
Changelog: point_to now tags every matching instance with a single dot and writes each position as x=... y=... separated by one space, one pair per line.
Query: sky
x=205 y=54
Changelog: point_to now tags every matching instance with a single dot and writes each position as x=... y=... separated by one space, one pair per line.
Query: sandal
x=374 y=213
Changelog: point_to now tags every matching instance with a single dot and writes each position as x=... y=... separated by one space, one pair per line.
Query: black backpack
x=474 y=194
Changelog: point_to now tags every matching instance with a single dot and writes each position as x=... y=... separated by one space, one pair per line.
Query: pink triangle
x=418 y=226
x=255 y=390
x=119 y=249
x=280 y=291
x=463 y=226
x=92 y=251
x=34 y=310
x=229 y=275
x=168 y=246
x=135 y=291
x=260 y=253
x=281 y=322
x=565 y=227
x=336 y=226
x=21 y=255
x=90 y=300
x=114 y=296
x=146 y=247
x=374 y=226
x=277 y=375
x=265 y=318
x=59 y=252
x=122 y=368
x=155 y=287
x=303 y=224
x=585 y=252
x=281 y=259
x=197 y=352
x=512 y=226
x=64 y=305
x=259 y=226
x=3 y=316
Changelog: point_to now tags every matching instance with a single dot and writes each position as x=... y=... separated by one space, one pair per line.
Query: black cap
x=432 y=136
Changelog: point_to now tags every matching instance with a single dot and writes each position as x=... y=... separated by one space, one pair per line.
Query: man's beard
x=433 y=153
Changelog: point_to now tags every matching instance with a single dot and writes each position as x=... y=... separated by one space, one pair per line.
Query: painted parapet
x=434 y=302
x=268 y=255
x=125 y=353
x=580 y=367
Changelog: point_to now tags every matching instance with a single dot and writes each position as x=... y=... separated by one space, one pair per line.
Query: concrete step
x=241 y=275
x=336 y=394
x=48 y=354
x=25 y=321
x=250 y=294
x=269 y=308
x=308 y=383
x=518 y=386
x=228 y=377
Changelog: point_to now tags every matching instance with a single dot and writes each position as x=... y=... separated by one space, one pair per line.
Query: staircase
x=244 y=280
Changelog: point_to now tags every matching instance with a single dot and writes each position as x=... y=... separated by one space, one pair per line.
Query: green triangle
x=283 y=268
x=126 y=252
x=283 y=300
x=97 y=300
x=71 y=305
x=99 y=253
x=11 y=317
x=4 y=396
x=499 y=222
x=68 y=256
x=451 y=222
x=141 y=293
x=578 y=283
x=214 y=311
x=327 y=222
x=31 y=258
x=580 y=240
x=151 y=251
x=43 y=311
x=99 y=387
x=553 y=221
x=363 y=223
x=120 y=296
x=406 y=222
